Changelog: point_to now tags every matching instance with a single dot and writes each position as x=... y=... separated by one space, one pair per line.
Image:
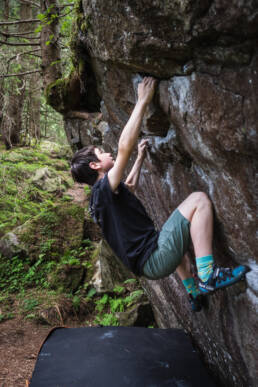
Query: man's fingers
x=146 y=89
x=143 y=142
x=148 y=80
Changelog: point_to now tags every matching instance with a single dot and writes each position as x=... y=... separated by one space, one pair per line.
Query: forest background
x=30 y=32
x=48 y=244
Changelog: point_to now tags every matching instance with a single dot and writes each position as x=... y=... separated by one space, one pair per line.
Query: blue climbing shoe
x=222 y=277
x=196 y=302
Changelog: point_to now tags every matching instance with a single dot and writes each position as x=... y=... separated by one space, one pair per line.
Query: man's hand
x=142 y=149
x=146 y=89
x=133 y=177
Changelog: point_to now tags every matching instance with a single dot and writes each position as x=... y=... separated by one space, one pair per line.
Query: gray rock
x=108 y=270
x=47 y=180
x=202 y=129
x=10 y=246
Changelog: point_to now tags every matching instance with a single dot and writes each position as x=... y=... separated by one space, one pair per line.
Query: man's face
x=105 y=159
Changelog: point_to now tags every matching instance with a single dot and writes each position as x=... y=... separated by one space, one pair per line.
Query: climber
x=129 y=230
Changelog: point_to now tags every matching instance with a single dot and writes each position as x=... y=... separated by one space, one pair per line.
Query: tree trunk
x=14 y=99
x=6 y=16
x=34 y=97
x=50 y=52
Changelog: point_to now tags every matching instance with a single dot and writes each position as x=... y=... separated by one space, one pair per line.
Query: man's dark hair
x=80 y=166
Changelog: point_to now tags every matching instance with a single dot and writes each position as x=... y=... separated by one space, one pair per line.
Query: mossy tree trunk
x=13 y=101
x=49 y=40
x=34 y=94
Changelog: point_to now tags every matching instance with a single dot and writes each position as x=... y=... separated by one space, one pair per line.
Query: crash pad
x=117 y=357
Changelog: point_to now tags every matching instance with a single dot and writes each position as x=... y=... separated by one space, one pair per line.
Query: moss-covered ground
x=19 y=198
x=50 y=282
x=44 y=222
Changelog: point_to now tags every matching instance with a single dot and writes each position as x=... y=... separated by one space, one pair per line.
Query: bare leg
x=197 y=209
x=183 y=270
x=184 y=273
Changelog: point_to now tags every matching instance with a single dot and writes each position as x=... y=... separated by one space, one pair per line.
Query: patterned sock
x=190 y=287
x=204 y=267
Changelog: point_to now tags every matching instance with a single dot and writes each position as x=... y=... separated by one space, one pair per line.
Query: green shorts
x=173 y=242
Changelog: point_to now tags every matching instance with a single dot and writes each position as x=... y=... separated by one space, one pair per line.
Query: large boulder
x=51 y=233
x=109 y=272
x=108 y=269
x=10 y=246
x=49 y=180
x=202 y=128
x=55 y=150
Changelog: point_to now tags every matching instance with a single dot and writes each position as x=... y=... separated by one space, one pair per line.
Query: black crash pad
x=118 y=357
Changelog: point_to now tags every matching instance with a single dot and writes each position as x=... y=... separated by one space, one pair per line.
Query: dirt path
x=78 y=194
x=19 y=344
x=20 y=341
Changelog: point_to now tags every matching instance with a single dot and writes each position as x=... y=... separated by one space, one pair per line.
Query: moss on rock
x=53 y=231
x=20 y=200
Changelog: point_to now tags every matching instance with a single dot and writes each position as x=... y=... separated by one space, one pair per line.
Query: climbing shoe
x=196 y=302
x=221 y=278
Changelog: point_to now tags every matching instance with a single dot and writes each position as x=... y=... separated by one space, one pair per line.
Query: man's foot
x=221 y=278
x=196 y=303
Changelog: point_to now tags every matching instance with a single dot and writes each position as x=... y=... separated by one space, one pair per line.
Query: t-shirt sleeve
x=105 y=190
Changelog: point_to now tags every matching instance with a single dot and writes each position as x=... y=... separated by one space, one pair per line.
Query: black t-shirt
x=125 y=224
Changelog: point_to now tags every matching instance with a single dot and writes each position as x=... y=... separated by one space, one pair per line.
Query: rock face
x=202 y=130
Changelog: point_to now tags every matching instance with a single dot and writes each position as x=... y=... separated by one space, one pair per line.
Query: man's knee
x=196 y=200
x=200 y=198
x=203 y=199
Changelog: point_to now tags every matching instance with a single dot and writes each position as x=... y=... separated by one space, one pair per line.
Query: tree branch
x=17 y=35
x=19 y=22
x=30 y=2
x=66 y=5
x=16 y=75
x=19 y=44
x=21 y=33
x=65 y=14
x=23 y=53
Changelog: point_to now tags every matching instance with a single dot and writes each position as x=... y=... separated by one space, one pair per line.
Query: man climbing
x=129 y=230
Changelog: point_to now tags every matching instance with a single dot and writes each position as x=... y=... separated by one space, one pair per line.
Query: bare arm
x=133 y=177
x=131 y=132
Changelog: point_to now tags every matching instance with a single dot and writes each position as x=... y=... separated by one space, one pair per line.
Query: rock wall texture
x=202 y=130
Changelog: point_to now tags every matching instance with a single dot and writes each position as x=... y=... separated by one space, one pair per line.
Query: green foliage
x=69 y=259
x=6 y=316
x=136 y=294
x=118 y=289
x=116 y=305
x=87 y=190
x=30 y=304
x=51 y=37
x=107 y=320
x=109 y=305
x=19 y=198
x=91 y=293
x=16 y=273
x=76 y=302
x=130 y=281
x=100 y=304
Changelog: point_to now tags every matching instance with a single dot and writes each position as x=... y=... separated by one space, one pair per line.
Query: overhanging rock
x=202 y=129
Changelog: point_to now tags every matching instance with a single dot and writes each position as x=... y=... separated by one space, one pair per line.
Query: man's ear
x=94 y=165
